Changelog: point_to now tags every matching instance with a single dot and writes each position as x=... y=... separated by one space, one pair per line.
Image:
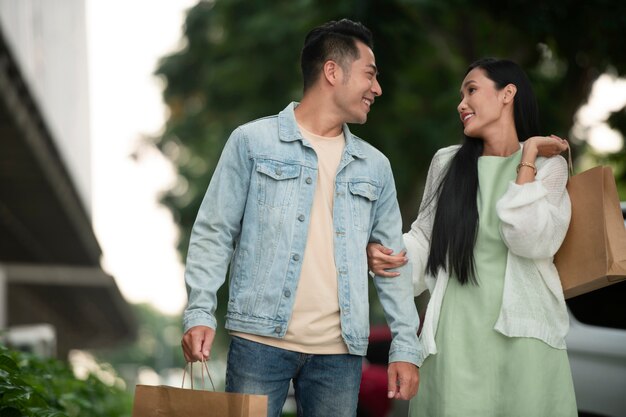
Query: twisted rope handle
x=205 y=365
x=569 y=160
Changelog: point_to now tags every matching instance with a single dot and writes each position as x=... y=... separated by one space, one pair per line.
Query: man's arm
x=211 y=245
x=396 y=297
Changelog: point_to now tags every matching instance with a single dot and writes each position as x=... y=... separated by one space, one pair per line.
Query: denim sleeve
x=215 y=231
x=396 y=294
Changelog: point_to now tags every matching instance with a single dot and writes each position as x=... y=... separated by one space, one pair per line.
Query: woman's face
x=481 y=104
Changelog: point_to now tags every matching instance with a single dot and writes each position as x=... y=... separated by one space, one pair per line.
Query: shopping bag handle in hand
x=204 y=366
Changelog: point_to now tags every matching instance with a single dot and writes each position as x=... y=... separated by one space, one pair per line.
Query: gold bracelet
x=527 y=164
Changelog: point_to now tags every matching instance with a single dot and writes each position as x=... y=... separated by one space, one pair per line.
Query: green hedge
x=31 y=386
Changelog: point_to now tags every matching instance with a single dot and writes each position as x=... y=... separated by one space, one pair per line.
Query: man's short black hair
x=334 y=40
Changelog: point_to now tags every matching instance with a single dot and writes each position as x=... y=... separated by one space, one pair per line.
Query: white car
x=596 y=346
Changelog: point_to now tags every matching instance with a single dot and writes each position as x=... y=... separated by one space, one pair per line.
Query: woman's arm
x=546 y=146
x=416 y=240
x=535 y=210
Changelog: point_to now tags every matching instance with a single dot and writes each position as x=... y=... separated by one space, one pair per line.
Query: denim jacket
x=255 y=217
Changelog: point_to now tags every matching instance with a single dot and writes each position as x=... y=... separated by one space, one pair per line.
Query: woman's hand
x=380 y=258
x=546 y=146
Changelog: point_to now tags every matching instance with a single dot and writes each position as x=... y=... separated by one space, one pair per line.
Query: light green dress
x=477 y=371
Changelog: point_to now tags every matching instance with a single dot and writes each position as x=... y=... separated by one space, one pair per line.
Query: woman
x=494 y=213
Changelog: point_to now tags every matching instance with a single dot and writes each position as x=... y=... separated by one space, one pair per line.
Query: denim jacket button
x=308 y=180
x=279 y=171
x=301 y=217
x=277 y=329
x=296 y=257
x=287 y=293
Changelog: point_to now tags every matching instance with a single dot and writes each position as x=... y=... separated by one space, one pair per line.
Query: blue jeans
x=325 y=385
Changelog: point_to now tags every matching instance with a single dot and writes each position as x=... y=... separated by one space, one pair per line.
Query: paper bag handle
x=570 y=164
x=204 y=366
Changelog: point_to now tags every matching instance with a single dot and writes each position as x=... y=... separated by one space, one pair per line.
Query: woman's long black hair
x=456 y=220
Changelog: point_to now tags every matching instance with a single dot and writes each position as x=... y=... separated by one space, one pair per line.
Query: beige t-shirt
x=315 y=325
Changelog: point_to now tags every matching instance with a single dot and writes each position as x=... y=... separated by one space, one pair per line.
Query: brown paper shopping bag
x=165 y=401
x=593 y=254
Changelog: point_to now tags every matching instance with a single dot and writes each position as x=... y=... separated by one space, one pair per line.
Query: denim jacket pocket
x=237 y=271
x=364 y=195
x=276 y=182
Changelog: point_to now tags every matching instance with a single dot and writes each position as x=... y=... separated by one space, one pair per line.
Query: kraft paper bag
x=593 y=254
x=165 y=401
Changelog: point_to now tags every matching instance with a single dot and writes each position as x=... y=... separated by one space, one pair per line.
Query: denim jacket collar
x=289 y=132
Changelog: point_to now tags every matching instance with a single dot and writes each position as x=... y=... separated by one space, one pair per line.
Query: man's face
x=358 y=87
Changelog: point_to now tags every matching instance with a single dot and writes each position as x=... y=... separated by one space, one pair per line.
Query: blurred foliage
x=157 y=346
x=617 y=160
x=241 y=61
x=31 y=386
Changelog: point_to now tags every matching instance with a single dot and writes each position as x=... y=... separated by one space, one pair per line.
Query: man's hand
x=403 y=380
x=197 y=343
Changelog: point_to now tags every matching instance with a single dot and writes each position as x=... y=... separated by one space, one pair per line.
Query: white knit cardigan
x=534 y=219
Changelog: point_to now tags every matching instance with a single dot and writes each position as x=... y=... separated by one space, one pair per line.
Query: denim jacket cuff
x=416 y=357
x=198 y=319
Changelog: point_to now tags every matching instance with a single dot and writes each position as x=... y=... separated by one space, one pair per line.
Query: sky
x=137 y=234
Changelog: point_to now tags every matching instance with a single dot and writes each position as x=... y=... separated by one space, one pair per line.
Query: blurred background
x=113 y=115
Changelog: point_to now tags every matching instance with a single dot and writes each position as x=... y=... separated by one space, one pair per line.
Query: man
x=293 y=202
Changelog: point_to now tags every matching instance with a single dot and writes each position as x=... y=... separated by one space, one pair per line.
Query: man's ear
x=509 y=93
x=332 y=72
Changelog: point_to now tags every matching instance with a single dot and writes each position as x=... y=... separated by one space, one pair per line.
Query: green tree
x=241 y=61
